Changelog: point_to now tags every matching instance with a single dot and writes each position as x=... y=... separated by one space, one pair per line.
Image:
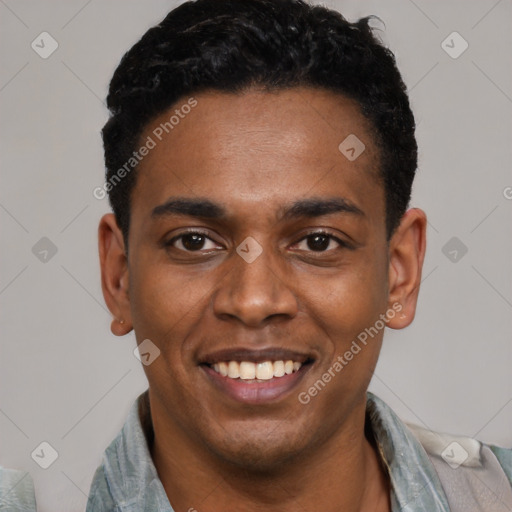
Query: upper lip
x=254 y=356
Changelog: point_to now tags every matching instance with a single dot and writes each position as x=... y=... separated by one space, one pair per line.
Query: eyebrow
x=206 y=209
x=203 y=208
x=316 y=207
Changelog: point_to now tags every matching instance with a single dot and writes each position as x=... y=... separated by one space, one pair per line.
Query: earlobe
x=114 y=274
x=119 y=327
x=406 y=254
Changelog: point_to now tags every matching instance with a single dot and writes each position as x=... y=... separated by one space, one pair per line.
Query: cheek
x=351 y=300
x=166 y=307
x=347 y=313
x=165 y=302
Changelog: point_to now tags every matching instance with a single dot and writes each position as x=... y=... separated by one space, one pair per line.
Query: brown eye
x=318 y=242
x=192 y=242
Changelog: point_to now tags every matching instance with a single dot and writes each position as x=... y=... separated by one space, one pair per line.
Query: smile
x=256 y=372
x=256 y=377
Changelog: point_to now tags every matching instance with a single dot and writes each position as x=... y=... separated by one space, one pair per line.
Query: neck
x=344 y=473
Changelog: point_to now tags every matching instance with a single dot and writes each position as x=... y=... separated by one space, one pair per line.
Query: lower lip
x=256 y=392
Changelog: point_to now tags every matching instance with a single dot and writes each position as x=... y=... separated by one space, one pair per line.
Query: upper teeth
x=247 y=370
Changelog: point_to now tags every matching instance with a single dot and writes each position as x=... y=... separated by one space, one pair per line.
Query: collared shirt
x=16 y=491
x=127 y=480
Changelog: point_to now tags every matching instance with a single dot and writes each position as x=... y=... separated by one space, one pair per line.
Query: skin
x=254 y=154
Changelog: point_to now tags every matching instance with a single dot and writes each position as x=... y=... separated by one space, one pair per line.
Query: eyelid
x=199 y=231
x=189 y=231
x=332 y=236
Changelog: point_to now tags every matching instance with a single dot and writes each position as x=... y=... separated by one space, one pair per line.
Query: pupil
x=318 y=242
x=193 y=242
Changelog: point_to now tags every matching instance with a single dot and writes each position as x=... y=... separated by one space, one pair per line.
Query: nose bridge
x=254 y=289
x=257 y=277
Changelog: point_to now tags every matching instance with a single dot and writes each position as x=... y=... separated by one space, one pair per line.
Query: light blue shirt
x=16 y=491
x=475 y=476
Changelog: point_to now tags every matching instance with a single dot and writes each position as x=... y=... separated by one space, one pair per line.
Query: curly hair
x=233 y=45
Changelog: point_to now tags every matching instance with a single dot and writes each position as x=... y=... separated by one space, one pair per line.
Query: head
x=265 y=220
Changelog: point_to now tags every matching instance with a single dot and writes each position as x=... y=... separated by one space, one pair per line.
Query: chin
x=260 y=452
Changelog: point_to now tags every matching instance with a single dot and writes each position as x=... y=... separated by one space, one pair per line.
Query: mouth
x=256 y=377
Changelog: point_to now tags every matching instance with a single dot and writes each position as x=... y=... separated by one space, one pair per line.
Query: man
x=260 y=156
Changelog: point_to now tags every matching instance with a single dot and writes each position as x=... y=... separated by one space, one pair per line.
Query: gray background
x=66 y=380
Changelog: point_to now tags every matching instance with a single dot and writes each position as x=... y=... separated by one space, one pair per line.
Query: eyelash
x=341 y=243
x=170 y=243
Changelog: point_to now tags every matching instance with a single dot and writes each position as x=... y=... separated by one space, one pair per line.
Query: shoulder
x=461 y=450
x=126 y=471
x=16 y=490
x=474 y=475
x=504 y=456
x=100 y=497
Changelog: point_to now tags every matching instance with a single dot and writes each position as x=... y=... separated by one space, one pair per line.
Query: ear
x=406 y=254
x=114 y=274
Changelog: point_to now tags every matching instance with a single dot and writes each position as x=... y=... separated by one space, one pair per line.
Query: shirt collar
x=415 y=485
x=133 y=480
x=131 y=475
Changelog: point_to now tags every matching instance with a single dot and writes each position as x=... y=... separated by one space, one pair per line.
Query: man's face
x=237 y=175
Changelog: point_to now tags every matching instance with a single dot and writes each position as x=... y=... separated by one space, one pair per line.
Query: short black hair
x=233 y=45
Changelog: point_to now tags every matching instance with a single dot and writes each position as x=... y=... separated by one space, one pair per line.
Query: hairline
x=263 y=88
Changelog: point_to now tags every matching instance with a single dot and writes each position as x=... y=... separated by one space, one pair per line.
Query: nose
x=255 y=292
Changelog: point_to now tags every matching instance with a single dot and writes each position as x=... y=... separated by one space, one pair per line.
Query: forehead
x=260 y=147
